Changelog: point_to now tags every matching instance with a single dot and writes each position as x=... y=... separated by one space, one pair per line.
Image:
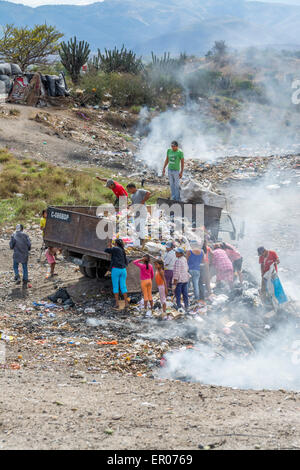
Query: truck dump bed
x=73 y=229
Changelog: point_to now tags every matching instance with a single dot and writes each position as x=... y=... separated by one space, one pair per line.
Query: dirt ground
x=67 y=137
x=61 y=389
x=59 y=409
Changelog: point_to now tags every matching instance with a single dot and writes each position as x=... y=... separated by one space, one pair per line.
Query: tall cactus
x=122 y=60
x=73 y=56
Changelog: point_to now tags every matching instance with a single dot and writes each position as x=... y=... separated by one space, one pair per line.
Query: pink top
x=232 y=253
x=221 y=260
x=50 y=258
x=144 y=272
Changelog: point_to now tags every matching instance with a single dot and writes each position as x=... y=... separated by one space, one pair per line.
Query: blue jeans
x=195 y=280
x=174 y=184
x=182 y=288
x=118 y=277
x=25 y=270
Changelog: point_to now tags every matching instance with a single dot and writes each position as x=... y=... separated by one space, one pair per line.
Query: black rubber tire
x=94 y=272
x=88 y=272
x=102 y=270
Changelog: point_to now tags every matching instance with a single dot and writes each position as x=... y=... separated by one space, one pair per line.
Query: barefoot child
x=50 y=255
x=161 y=283
x=146 y=276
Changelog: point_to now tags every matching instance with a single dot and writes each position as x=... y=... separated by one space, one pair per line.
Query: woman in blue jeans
x=118 y=267
x=194 y=259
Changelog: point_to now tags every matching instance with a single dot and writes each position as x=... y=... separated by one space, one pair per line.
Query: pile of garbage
x=193 y=192
x=7 y=74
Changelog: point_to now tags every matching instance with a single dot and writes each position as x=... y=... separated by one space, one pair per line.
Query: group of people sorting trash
x=177 y=270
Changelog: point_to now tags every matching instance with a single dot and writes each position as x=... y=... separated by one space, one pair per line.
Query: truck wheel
x=88 y=272
x=102 y=270
x=98 y=272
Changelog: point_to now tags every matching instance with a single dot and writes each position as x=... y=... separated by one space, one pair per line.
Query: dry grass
x=27 y=186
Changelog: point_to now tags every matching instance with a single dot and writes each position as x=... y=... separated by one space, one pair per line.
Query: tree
x=218 y=53
x=25 y=46
x=73 y=56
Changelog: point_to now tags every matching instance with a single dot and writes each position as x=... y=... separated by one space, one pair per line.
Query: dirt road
x=48 y=409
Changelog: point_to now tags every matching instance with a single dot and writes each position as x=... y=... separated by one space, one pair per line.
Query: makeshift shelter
x=35 y=89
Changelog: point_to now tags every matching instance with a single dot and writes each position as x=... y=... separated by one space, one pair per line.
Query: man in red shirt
x=116 y=188
x=266 y=259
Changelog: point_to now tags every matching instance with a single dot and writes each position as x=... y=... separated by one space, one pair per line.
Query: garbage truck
x=74 y=230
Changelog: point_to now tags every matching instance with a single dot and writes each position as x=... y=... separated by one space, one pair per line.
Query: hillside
x=148 y=26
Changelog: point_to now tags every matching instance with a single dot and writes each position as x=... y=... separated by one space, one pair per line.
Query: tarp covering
x=33 y=89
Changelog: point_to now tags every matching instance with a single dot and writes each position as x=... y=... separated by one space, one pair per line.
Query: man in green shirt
x=175 y=163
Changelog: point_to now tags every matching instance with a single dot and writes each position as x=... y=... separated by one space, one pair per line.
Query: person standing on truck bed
x=139 y=198
x=175 y=163
x=116 y=188
x=118 y=270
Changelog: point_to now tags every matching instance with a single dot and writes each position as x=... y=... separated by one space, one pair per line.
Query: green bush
x=203 y=83
x=95 y=85
x=129 y=90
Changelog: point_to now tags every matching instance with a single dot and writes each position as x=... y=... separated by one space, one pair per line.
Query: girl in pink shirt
x=146 y=276
x=50 y=256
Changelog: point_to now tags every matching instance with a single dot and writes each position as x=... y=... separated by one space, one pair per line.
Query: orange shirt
x=158 y=279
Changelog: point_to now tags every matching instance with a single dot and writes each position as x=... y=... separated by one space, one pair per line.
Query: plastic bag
x=15 y=69
x=5 y=69
x=61 y=86
x=278 y=291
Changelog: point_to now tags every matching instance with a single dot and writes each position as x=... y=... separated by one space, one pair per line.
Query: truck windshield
x=226 y=224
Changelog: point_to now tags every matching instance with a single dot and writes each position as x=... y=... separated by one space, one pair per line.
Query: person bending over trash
x=146 y=276
x=223 y=265
x=139 y=198
x=267 y=258
x=118 y=270
x=181 y=278
x=175 y=163
x=236 y=259
x=169 y=261
x=116 y=188
x=21 y=244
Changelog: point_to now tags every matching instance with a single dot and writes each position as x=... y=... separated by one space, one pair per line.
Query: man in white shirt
x=169 y=261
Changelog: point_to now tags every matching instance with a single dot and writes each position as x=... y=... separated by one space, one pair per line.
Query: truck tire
x=88 y=272
x=92 y=273
x=102 y=270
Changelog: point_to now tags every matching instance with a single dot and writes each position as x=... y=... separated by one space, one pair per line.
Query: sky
x=34 y=3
